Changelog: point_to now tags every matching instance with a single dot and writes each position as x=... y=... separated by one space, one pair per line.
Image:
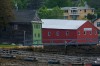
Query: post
x=65 y=47
x=24 y=37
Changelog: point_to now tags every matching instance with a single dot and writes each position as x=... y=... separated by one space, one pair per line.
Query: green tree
x=44 y=12
x=59 y=3
x=35 y=4
x=55 y=13
x=6 y=13
x=91 y=16
x=22 y=4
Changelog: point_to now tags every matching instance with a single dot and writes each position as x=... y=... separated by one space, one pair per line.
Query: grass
x=7 y=46
x=29 y=48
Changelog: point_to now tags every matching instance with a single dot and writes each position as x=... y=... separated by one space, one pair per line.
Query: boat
x=53 y=61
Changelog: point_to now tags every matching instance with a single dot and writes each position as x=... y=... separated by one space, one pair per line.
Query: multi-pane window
x=98 y=24
x=37 y=26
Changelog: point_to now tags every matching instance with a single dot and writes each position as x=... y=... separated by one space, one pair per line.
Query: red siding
x=58 y=39
x=88 y=37
x=73 y=34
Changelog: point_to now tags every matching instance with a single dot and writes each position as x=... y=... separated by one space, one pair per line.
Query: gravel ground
x=13 y=62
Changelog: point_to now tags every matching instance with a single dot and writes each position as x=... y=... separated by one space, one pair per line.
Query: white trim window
x=49 y=33
x=78 y=32
x=57 y=33
x=84 y=32
x=67 y=33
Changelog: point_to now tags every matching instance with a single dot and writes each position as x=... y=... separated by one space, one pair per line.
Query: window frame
x=49 y=33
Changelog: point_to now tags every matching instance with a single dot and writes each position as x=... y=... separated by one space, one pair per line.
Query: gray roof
x=67 y=8
x=25 y=16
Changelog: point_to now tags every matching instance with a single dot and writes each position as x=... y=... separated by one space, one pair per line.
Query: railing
x=81 y=41
x=74 y=13
x=70 y=41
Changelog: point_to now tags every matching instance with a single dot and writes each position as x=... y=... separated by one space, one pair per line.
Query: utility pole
x=24 y=37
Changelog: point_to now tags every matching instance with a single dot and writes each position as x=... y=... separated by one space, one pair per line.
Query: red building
x=68 y=31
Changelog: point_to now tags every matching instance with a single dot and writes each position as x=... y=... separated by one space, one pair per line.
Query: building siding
x=73 y=35
x=88 y=37
x=37 y=36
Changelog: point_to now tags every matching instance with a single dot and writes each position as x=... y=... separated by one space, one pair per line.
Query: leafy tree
x=54 y=13
x=35 y=4
x=91 y=16
x=22 y=4
x=6 y=14
x=44 y=12
x=81 y=3
x=59 y=3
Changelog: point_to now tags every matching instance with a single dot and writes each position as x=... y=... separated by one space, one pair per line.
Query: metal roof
x=62 y=24
x=67 y=8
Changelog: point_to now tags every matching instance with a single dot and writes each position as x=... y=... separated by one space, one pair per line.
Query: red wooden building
x=68 y=31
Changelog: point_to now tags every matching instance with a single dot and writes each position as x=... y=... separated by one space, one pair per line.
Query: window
x=38 y=34
x=78 y=32
x=15 y=27
x=90 y=32
x=85 y=10
x=67 y=33
x=66 y=11
x=84 y=32
x=92 y=10
x=98 y=24
x=49 y=33
x=65 y=17
x=57 y=33
x=37 y=26
x=35 y=34
x=99 y=32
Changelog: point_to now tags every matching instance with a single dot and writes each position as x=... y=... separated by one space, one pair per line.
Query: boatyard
x=22 y=58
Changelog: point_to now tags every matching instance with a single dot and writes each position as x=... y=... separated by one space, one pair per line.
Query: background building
x=76 y=13
x=24 y=29
x=97 y=24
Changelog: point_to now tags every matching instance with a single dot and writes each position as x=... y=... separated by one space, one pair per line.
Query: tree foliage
x=91 y=16
x=59 y=3
x=35 y=4
x=6 y=14
x=22 y=4
x=55 y=13
x=28 y=4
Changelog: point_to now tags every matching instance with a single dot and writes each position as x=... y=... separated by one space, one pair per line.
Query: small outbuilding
x=68 y=31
